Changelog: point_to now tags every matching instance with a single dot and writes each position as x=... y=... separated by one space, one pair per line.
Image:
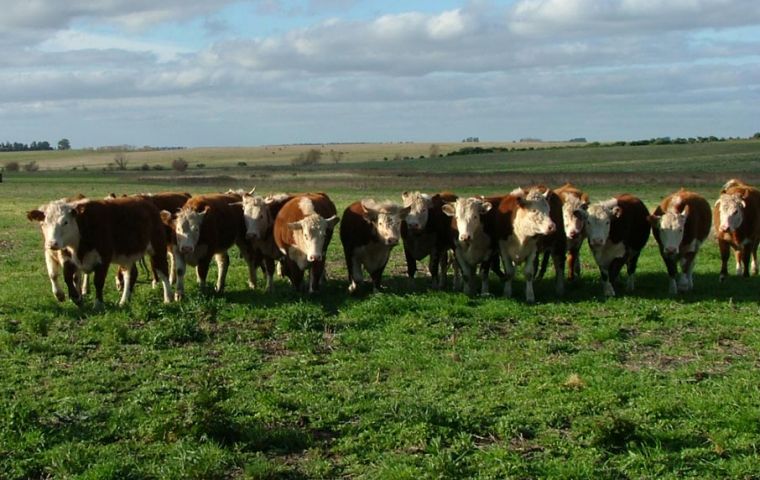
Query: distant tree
x=64 y=144
x=179 y=164
x=756 y=136
x=336 y=156
x=12 y=167
x=312 y=157
x=120 y=161
x=31 y=166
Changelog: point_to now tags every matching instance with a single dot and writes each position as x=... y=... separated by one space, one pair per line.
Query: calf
x=736 y=217
x=207 y=226
x=617 y=231
x=368 y=232
x=680 y=224
x=574 y=214
x=302 y=232
x=426 y=231
x=553 y=244
x=259 y=214
x=96 y=233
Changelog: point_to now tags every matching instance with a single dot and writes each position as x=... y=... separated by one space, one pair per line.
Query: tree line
x=63 y=144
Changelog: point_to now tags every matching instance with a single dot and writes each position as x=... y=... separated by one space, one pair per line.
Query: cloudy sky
x=226 y=72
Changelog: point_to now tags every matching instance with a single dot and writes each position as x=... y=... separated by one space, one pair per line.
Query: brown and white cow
x=97 y=233
x=259 y=214
x=554 y=244
x=368 y=231
x=302 y=232
x=736 y=218
x=618 y=229
x=574 y=212
x=733 y=182
x=426 y=231
x=206 y=227
x=680 y=224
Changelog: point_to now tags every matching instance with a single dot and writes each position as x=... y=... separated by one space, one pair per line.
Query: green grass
x=404 y=384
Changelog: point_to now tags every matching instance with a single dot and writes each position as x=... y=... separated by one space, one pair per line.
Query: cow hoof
x=251 y=285
x=60 y=296
x=530 y=300
x=722 y=278
x=178 y=296
x=609 y=290
x=98 y=305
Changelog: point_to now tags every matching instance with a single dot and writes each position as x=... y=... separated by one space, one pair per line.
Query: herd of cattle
x=84 y=236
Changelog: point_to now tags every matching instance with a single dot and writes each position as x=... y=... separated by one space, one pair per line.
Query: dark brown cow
x=680 y=224
x=369 y=231
x=99 y=232
x=206 y=227
x=426 y=231
x=736 y=218
x=302 y=232
x=618 y=229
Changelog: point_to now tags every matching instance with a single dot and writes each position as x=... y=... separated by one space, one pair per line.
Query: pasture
x=408 y=383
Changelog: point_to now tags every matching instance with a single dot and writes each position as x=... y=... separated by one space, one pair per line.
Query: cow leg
x=294 y=272
x=672 y=267
x=754 y=257
x=70 y=274
x=315 y=276
x=559 y=273
x=83 y=281
x=686 y=282
x=53 y=269
x=222 y=264
x=457 y=273
x=411 y=263
x=269 y=271
x=529 y=271
x=181 y=267
x=435 y=263
x=101 y=271
x=544 y=264
x=485 y=269
x=377 y=278
x=509 y=273
x=171 y=255
x=604 y=274
x=127 y=284
x=746 y=252
x=739 y=262
x=161 y=269
x=201 y=272
x=355 y=275
x=572 y=260
x=724 y=248
x=118 y=279
x=443 y=261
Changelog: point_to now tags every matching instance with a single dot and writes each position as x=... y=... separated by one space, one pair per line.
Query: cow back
x=223 y=225
x=632 y=227
x=291 y=211
x=355 y=228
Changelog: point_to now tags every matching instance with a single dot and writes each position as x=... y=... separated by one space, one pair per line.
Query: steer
x=368 y=231
x=680 y=224
x=574 y=213
x=553 y=244
x=426 y=231
x=302 y=232
x=736 y=218
x=98 y=232
x=618 y=229
x=259 y=214
x=207 y=226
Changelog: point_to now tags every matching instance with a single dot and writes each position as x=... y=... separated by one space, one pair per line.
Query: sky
x=233 y=73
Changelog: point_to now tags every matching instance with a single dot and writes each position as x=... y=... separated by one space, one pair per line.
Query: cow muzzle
x=53 y=246
x=596 y=242
x=252 y=236
x=391 y=241
x=314 y=257
x=670 y=250
x=186 y=250
x=725 y=228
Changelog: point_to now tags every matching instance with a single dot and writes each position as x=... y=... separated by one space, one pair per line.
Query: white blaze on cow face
x=309 y=235
x=574 y=214
x=731 y=210
x=386 y=217
x=419 y=204
x=187 y=226
x=59 y=227
x=256 y=215
x=671 y=228
x=599 y=219
x=467 y=212
x=532 y=216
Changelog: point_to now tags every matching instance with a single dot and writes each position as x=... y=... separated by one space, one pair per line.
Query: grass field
x=407 y=383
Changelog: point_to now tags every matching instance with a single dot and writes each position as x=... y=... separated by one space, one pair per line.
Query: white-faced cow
x=736 y=218
x=260 y=214
x=206 y=227
x=618 y=229
x=302 y=232
x=574 y=212
x=368 y=231
x=97 y=233
x=426 y=231
x=680 y=224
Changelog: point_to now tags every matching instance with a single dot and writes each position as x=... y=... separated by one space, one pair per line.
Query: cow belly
x=88 y=262
x=421 y=246
x=372 y=256
x=610 y=251
x=475 y=253
x=692 y=246
x=193 y=258
x=518 y=251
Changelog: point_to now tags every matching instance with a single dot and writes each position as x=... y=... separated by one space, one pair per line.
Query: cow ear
x=448 y=209
x=166 y=217
x=295 y=226
x=654 y=220
x=685 y=211
x=35 y=215
x=332 y=221
x=617 y=211
x=404 y=212
x=485 y=207
x=584 y=206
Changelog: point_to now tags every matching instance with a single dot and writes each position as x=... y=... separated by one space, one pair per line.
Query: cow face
x=532 y=216
x=671 y=227
x=467 y=213
x=574 y=215
x=187 y=226
x=58 y=222
x=599 y=220
x=731 y=210
x=419 y=204
x=386 y=219
x=257 y=217
x=309 y=235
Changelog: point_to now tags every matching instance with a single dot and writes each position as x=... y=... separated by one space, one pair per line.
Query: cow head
x=467 y=214
x=187 y=226
x=574 y=215
x=419 y=204
x=532 y=215
x=310 y=233
x=386 y=218
x=731 y=210
x=599 y=219
x=258 y=218
x=58 y=222
x=670 y=226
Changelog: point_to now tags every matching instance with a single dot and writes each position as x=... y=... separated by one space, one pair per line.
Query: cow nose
x=391 y=241
x=414 y=226
x=552 y=228
x=186 y=249
x=572 y=235
x=724 y=228
x=464 y=237
x=53 y=246
x=596 y=242
x=314 y=257
x=251 y=236
x=670 y=250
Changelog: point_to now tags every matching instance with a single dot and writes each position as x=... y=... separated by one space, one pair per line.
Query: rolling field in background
x=408 y=383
